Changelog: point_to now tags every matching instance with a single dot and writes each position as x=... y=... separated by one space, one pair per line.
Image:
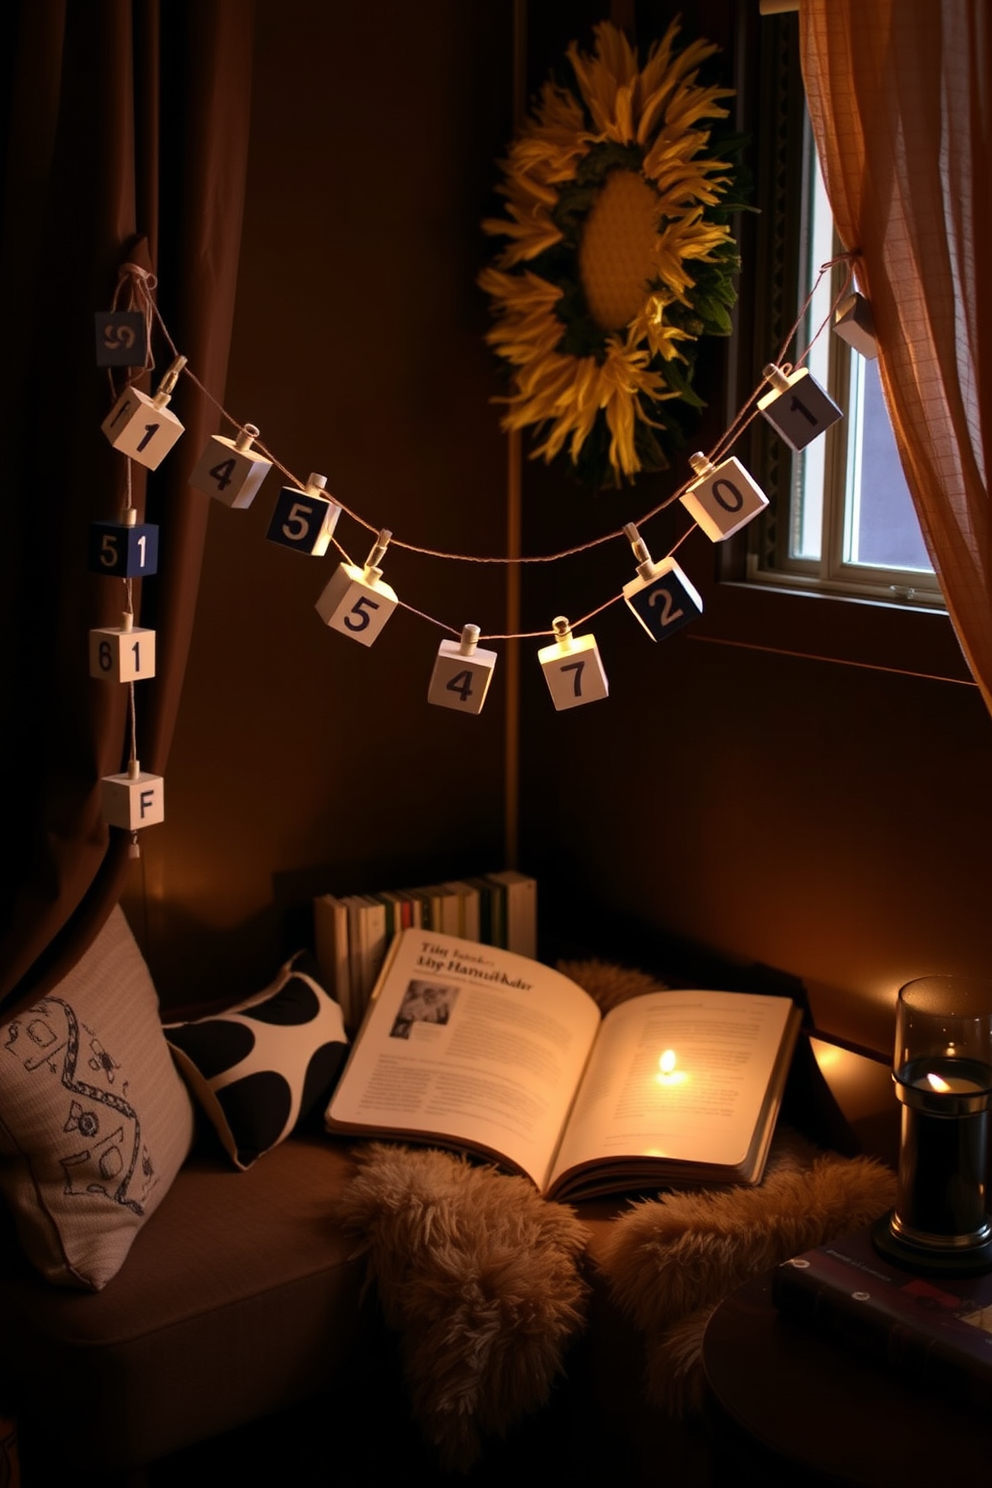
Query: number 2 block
x=229 y=474
x=139 y=427
x=461 y=678
x=133 y=801
x=574 y=672
x=663 y=601
x=356 y=606
x=122 y=551
x=118 y=655
x=801 y=411
x=724 y=500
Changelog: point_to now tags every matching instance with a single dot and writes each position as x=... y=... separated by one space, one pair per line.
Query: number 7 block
x=572 y=668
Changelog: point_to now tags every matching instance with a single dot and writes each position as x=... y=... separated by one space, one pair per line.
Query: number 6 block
x=125 y=654
x=462 y=673
x=572 y=668
x=724 y=499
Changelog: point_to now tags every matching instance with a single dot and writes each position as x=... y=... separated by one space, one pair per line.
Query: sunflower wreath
x=620 y=255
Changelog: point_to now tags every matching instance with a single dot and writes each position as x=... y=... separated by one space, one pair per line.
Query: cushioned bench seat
x=239 y=1296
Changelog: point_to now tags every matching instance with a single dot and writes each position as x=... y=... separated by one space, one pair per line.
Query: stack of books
x=352 y=933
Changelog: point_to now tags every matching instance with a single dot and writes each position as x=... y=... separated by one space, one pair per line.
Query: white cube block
x=118 y=655
x=854 y=323
x=133 y=801
x=663 y=601
x=229 y=474
x=573 y=671
x=724 y=500
x=138 y=427
x=461 y=680
x=802 y=411
x=356 y=606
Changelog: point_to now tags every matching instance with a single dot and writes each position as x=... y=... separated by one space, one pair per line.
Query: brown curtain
x=900 y=95
x=126 y=137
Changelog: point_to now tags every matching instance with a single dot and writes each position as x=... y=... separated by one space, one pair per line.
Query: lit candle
x=667 y=1072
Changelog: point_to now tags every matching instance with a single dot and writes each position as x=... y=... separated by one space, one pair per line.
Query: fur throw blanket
x=483 y=1280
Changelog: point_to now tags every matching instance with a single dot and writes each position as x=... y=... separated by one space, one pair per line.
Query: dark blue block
x=123 y=552
x=665 y=606
x=299 y=519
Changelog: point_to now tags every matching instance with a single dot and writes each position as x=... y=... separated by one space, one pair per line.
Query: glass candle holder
x=942 y=1073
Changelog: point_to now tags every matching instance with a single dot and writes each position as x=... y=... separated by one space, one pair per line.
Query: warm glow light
x=667 y=1073
x=936 y=1083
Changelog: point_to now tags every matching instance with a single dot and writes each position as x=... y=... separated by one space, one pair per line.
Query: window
x=842 y=518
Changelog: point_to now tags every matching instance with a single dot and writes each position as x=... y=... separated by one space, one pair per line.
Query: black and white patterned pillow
x=259 y=1068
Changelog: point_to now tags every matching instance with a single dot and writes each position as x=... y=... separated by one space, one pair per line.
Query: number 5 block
x=304 y=520
x=572 y=668
x=724 y=499
x=462 y=673
x=230 y=471
x=356 y=603
x=133 y=799
x=126 y=550
x=125 y=654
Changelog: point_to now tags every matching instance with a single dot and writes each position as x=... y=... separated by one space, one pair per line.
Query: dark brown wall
x=830 y=822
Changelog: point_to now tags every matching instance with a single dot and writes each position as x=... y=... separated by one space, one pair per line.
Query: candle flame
x=668 y=1074
x=936 y=1082
x=667 y=1062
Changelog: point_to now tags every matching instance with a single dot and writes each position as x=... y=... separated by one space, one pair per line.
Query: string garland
x=357 y=602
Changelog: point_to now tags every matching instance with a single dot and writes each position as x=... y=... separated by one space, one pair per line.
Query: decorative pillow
x=94 y=1119
x=259 y=1068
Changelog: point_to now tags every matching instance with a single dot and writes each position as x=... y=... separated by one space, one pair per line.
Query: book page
x=677 y=1075
x=469 y=1043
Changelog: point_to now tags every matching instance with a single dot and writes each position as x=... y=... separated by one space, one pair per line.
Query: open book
x=469 y=1046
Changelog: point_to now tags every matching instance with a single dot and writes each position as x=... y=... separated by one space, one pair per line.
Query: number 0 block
x=461 y=679
x=122 y=551
x=356 y=606
x=118 y=655
x=724 y=500
x=574 y=672
x=229 y=474
x=133 y=801
x=663 y=601
x=139 y=427
x=801 y=411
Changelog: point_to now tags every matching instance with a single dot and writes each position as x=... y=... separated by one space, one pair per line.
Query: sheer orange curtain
x=900 y=95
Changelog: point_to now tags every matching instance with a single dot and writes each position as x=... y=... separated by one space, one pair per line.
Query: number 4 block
x=462 y=673
x=572 y=668
x=230 y=471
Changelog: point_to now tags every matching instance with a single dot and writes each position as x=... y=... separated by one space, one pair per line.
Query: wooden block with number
x=122 y=551
x=121 y=338
x=356 y=606
x=229 y=474
x=665 y=601
x=139 y=428
x=724 y=500
x=303 y=521
x=802 y=411
x=118 y=655
x=133 y=801
x=574 y=672
x=461 y=680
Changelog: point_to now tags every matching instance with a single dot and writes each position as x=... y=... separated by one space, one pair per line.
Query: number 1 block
x=462 y=674
x=663 y=600
x=123 y=551
x=573 y=671
x=798 y=407
x=355 y=605
x=133 y=801
x=142 y=428
x=724 y=500
x=121 y=655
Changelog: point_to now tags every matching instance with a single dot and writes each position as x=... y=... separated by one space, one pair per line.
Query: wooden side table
x=788 y=1405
